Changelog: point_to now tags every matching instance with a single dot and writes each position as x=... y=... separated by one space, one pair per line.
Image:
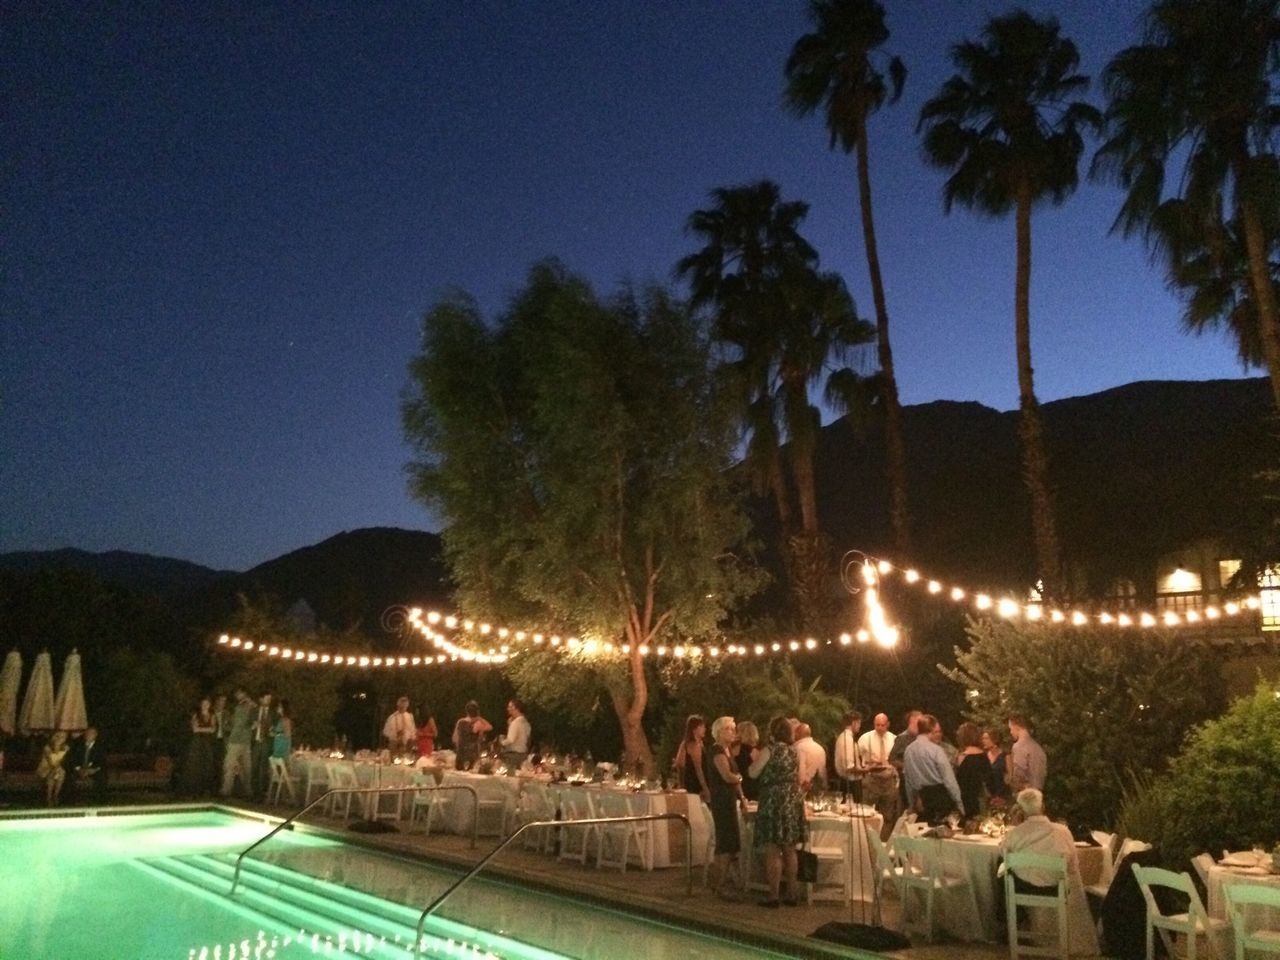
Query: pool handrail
x=562 y=824
x=414 y=788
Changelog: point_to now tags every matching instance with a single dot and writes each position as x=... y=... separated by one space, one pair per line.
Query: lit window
x=1181 y=580
x=1227 y=569
x=1270 y=584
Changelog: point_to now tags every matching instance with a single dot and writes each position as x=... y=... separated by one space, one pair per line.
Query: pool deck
x=659 y=893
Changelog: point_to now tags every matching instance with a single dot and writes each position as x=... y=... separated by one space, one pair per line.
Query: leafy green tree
x=140 y=700
x=579 y=450
x=1009 y=129
x=787 y=327
x=1199 y=94
x=1106 y=704
x=1222 y=792
x=836 y=69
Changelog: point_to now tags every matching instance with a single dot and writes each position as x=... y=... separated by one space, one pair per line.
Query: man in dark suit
x=88 y=763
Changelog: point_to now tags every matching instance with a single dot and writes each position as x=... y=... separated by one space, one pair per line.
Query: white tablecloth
x=978 y=860
x=666 y=838
x=1221 y=877
x=827 y=830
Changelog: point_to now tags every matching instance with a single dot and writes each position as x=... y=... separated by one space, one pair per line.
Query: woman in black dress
x=973 y=770
x=725 y=782
x=997 y=788
x=199 y=770
x=689 y=761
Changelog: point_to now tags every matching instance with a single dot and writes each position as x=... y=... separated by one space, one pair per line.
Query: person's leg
x=772 y=871
x=789 y=863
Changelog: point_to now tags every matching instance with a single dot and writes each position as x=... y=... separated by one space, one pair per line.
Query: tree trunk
x=781 y=500
x=636 y=752
x=802 y=472
x=1263 y=295
x=807 y=568
x=896 y=458
x=1035 y=460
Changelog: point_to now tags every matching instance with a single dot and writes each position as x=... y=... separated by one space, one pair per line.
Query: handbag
x=806 y=866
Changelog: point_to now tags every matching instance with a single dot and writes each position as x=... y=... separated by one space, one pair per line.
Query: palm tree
x=1200 y=93
x=785 y=324
x=1009 y=129
x=834 y=68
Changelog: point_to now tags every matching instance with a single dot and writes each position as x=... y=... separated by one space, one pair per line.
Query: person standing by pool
x=260 y=768
x=88 y=764
x=748 y=747
x=780 y=823
x=515 y=745
x=238 y=760
x=466 y=736
x=199 y=775
x=427 y=734
x=50 y=769
x=726 y=795
x=282 y=731
x=689 y=759
x=399 y=730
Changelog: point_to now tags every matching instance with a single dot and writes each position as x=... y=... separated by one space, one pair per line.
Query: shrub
x=1223 y=790
x=1106 y=704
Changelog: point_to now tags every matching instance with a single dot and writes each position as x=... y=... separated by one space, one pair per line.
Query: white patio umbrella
x=68 y=709
x=10 y=681
x=37 y=703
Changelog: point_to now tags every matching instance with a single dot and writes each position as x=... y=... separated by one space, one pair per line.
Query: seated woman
x=50 y=769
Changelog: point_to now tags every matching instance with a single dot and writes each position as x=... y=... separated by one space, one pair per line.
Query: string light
x=1010 y=609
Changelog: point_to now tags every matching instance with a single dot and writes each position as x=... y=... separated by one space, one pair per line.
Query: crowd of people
x=915 y=771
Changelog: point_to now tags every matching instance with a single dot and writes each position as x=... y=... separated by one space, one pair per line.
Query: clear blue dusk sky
x=222 y=223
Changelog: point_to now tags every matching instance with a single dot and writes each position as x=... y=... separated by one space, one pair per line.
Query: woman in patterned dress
x=780 y=824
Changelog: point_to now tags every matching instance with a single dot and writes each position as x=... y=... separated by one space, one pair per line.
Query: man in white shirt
x=400 y=731
x=849 y=766
x=880 y=785
x=515 y=745
x=811 y=757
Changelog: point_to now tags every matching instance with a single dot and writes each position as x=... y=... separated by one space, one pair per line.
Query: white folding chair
x=1037 y=941
x=280 y=782
x=886 y=870
x=1107 y=841
x=493 y=800
x=575 y=842
x=426 y=805
x=922 y=871
x=317 y=780
x=1245 y=902
x=1203 y=863
x=342 y=776
x=830 y=841
x=1193 y=924
x=537 y=802
x=616 y=839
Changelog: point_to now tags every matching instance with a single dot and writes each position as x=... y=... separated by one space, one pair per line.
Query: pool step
x=368 y=925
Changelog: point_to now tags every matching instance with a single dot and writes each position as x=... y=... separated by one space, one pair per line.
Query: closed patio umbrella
x=68 y=709
x=37 y=705
x=10 y=680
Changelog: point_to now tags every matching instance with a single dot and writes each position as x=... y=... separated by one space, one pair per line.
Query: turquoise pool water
x=154 y=885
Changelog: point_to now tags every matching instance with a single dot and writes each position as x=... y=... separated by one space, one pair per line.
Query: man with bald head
x=880 y=785
x=811 y=757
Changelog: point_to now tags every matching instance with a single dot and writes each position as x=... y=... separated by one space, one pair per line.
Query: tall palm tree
x=1201 y=93
x=835 y=68
x=786 y=325
x=1009 y=129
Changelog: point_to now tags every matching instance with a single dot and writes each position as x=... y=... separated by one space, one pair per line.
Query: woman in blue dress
x=282 y=731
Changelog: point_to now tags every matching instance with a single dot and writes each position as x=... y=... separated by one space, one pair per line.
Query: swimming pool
x=137 y=886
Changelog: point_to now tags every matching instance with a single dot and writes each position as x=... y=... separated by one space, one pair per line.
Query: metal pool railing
x=338 y=791
x=565 y=825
